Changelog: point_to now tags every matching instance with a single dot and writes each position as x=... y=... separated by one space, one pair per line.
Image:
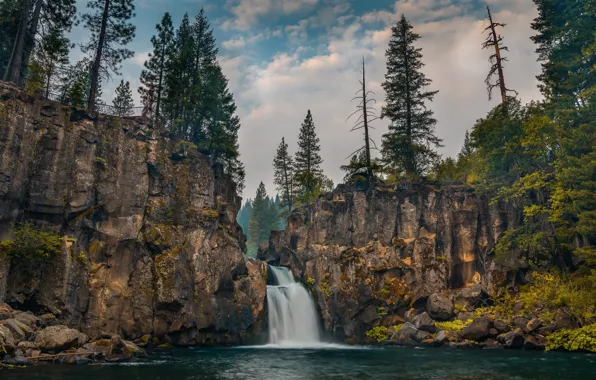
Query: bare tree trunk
x=365 y=115
x=32 y=33
x=499 y=63
x=13 y=70
x=98 y=55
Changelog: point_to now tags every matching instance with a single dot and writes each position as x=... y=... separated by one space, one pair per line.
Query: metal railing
x=106 y=109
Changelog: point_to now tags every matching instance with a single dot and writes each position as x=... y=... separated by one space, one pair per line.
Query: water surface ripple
x=329 y=363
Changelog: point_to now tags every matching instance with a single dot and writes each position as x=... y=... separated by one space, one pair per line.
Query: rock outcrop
x=151 y=244
x=370 y=256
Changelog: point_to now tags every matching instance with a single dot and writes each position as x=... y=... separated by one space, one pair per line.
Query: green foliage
x=110 y=31
x=310 y=281
x=583 y=340
x=52 y=58
x=264 y=218
x=455 y=325
x=309 y=178
x=30 y=245
x=408 y=147
x=123 y=103
x=284 y=174
x=154 y=73
x=550 y=291
x=379 y=333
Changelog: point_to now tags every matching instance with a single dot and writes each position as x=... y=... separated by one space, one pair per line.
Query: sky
x=284 y=57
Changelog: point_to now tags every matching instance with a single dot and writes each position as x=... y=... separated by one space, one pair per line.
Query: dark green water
x=331 y=363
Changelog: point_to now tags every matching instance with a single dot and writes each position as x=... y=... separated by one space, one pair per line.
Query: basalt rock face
x=151 y=243
x=370 y=256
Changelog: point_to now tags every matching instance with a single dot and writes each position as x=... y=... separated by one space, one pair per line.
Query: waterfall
x=292 y=314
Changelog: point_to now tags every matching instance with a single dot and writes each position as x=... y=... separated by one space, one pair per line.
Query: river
x=333 y=362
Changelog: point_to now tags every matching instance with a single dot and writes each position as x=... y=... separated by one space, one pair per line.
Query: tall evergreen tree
x=52 y=58
x=283 y=177
x=36 y=18
x=179 y=80
x=308 y=173
x=409 y=145
x=123 y=102
x=110 y=32
x=9 y=27
x=258 y=220
x=243 y=217
x=153 y=76
x=467 y=149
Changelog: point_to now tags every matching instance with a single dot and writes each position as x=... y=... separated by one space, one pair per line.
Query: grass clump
x=379 y=333
x=583 y=339
x=455 y=325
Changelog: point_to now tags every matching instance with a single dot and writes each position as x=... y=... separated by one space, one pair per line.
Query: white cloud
x=141 y=58
x=248 y=12
x=234 y=43
x=274 y=97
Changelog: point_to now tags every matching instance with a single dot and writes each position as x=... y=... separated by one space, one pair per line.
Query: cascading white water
x=292 y=314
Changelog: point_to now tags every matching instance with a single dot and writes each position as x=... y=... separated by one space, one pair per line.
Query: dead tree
x=367 y=116
x=495 y=41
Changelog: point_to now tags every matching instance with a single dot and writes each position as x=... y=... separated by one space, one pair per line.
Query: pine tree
x=52 y=58
x=283 y=177
x=243 y=217
x=179 y=80
x=154 y=75
x=409 y=145
x=308 y=173
x=110 y=31
x=9 y=27
x=123 y=102
x=36 y=17
x=467 y=149
x=75 y=87
x=258 y=220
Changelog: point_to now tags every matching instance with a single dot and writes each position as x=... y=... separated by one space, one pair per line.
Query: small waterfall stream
x=292 y=313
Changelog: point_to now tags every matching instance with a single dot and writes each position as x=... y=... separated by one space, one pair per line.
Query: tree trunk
x=13 y=70
x=366 y=135
x=499 y=59
x=409 y=156
x=98 y=55
x=32 y=33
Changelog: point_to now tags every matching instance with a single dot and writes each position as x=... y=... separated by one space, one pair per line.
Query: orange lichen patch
x=407 y=261
x=468 y=257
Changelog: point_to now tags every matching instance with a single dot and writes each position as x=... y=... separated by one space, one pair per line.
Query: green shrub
x=455 y=325
x=583 y=339
x=379 y=333
x=31 y=245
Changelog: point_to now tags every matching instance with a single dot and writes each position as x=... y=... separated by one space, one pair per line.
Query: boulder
x=441 y=337
x=546 y=330
x=468 y=298
x=28 y=318
x=563 y=320
x=132 y=348
x=54 y=339
x=405 y=335
x=439 y=307
x=533 y=325
x=7 y=341
x=48 y=320
x=19 y=330
x=6 y=311
x=501 y=326
x=425 y=323
x=422 y=336
x=410 y=315
x=537 y=342
x=477 y=330
x=520 y=322
x=101 y=347
x=512 y=339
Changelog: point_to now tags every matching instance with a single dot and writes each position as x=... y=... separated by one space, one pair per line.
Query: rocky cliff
x=151 y=244
x=370 y=256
